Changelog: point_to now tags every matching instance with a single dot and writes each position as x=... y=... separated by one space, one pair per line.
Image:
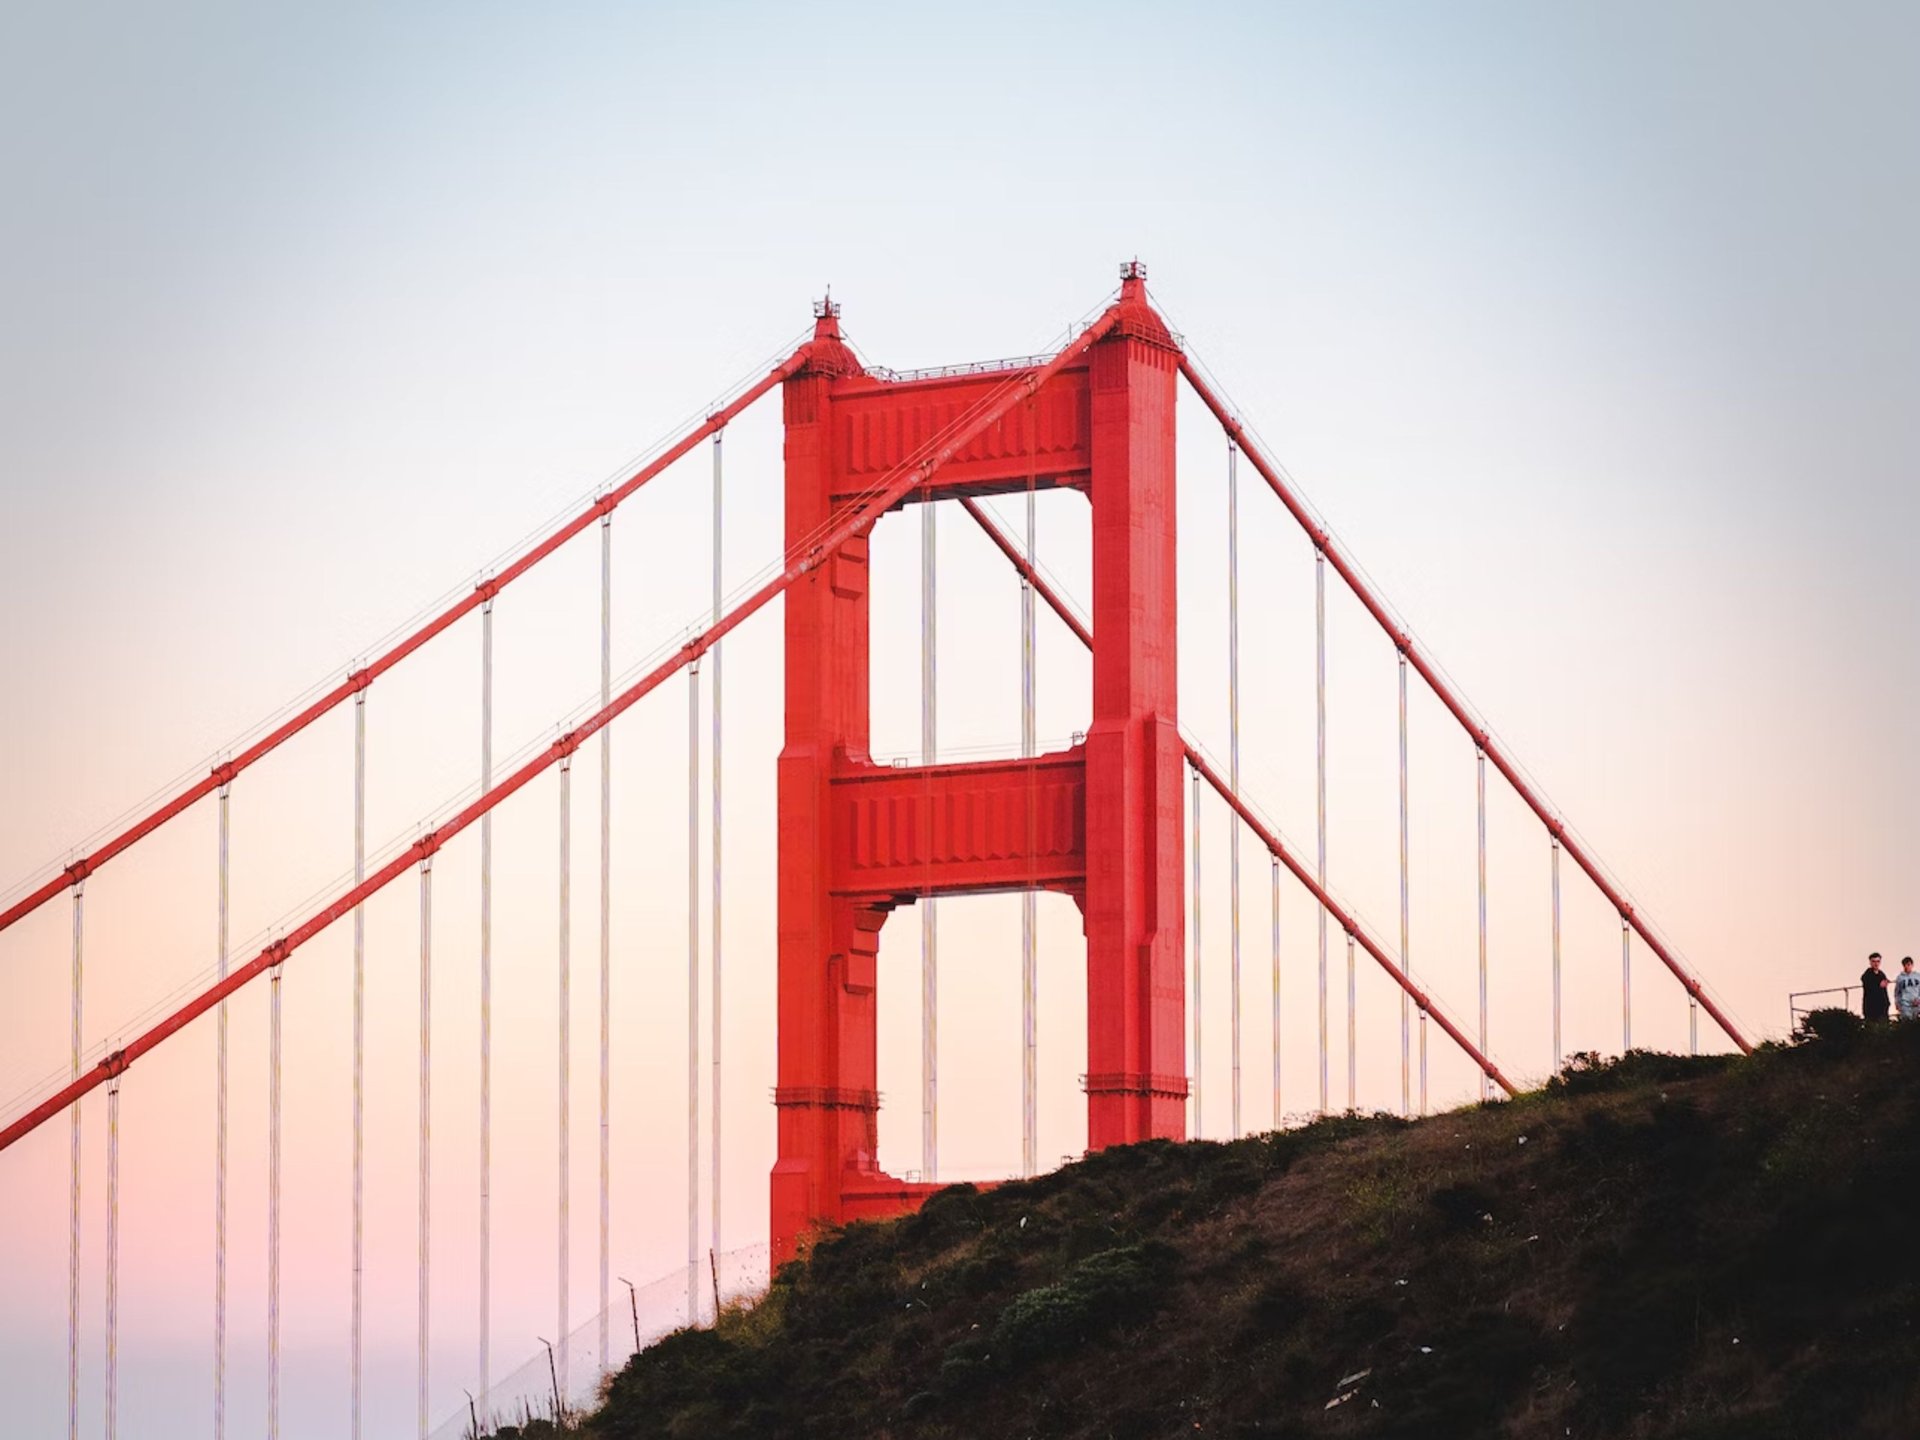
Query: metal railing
x=1795 y=1010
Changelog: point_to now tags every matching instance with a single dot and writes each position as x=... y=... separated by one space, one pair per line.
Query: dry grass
x=1671 y=1248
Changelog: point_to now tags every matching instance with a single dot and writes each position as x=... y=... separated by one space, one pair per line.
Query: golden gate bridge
x=1111 y=820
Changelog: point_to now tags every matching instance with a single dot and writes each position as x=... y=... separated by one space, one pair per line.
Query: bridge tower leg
x=1135 y=897
x=1102 y=822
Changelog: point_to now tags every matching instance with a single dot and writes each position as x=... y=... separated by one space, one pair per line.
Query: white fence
x=568 y=1380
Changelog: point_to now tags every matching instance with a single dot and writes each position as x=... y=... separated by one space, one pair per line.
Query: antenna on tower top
x=1133 y=269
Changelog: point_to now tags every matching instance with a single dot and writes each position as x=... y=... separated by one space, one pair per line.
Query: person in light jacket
x=1906 y=991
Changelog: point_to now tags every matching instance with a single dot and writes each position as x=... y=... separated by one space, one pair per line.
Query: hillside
x=1661 y=1247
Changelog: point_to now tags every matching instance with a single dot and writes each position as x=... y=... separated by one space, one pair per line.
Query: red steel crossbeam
x=1376 y=608
x=1275 y=846
x=360 y=679
x=902 y=481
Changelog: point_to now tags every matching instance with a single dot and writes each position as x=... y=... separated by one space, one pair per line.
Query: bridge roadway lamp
x=553 y=1370
x=633 y=1300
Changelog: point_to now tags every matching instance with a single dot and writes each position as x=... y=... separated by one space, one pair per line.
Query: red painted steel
x=223 y=773
x=815 y=548
x=1275 y=846
x=1376 y=608
x=958 y=829
x=856 y=842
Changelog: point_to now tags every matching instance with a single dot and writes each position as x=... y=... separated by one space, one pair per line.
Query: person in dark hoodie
x=1873 y=991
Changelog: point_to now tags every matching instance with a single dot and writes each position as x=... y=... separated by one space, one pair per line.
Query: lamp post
x=633 y=1301
x=559 y=1412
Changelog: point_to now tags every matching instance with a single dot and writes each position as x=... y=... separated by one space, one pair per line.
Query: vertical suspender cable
x=426 y=1128
x=1693 y=1025
x=359 y=1046
x=1320 y=781
x=274 y=1055
x=1029 y=901
x=1233 y=764
x=1626 y=985
x=220 y=1145
x=1353 y=1049
x=693 y=993
x=564 y=1260
x=929 y=922
x=713 y=878
x=486 y=1000
x=1480 y=775
x=606 y=917
x=1406 y=918
x=113 y=1259
x=1558 y=1053
x=73 y=1189
x=1197 y=1068
x=1277 y=1110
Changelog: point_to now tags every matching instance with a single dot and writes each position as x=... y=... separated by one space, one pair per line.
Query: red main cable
x=902 y=481
x=1376 y=608
x=366 y=675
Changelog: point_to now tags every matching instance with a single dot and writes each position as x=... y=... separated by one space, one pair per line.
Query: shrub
x=1097 y=1293
x=1833 y=1026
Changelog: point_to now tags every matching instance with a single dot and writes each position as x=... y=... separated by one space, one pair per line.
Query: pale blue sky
x=1592 y=329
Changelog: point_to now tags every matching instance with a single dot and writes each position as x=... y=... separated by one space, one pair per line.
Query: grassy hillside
x=1658 y=1247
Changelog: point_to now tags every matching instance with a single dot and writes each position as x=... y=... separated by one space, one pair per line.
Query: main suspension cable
x=1370 y=600
x=357 y=680
x=910 y=474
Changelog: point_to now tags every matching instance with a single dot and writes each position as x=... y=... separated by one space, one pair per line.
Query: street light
x=553 y=1370
x=633 y=1300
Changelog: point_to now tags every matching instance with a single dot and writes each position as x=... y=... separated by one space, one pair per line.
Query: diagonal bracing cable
x=1204 y=770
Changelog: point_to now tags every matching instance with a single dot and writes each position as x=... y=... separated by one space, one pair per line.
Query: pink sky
x=1614 y=406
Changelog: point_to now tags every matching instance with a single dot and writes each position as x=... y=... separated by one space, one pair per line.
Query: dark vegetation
x=1691 y=1249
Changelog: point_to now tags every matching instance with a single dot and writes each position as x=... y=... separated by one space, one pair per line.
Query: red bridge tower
x=1102 y=821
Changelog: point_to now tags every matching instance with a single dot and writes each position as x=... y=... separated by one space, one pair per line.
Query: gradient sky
x=1592 y=330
